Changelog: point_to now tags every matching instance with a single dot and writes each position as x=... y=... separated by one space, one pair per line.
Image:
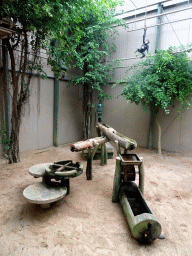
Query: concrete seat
x=38 y=170
x=44 y=194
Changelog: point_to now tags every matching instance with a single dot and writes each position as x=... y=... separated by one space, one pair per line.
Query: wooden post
x=90 y=160
x=141 y=176
x=118 y=148
x=66 y=183
x=117 y=181
x=103 y=155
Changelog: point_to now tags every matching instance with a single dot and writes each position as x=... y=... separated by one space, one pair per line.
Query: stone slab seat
x=44 y=194
x=38 y=170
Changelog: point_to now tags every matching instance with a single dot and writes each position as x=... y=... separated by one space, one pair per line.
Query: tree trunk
x=87 y=110
x=19 y=95
x=159 y=135
x=151 y=129
x=13 y=153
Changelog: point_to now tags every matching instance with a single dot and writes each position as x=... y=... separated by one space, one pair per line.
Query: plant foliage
x=85 y=44
x=160 y=80
x=36 y=22
x=33 y=22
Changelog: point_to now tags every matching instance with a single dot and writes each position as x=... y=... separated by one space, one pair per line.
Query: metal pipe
x=155 y=16
x=141 y=7
x=158 y=29
x=136 y=58
x=165 y=23
x=55 y=112
x=51 y=77
x=27 y=53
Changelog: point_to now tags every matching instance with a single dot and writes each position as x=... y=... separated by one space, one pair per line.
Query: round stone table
x=43 y=194
x=38 y=170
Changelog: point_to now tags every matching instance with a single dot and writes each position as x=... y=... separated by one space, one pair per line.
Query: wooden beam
x=113 y=136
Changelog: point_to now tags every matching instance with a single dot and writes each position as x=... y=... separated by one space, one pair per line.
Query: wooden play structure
x=142 y=222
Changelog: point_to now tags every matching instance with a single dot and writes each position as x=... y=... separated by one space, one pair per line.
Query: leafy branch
x=159 y=81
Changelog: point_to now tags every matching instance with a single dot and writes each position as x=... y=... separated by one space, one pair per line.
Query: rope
x=135 y=11
x=189 y=25
x=171 y=26
x=145 y=13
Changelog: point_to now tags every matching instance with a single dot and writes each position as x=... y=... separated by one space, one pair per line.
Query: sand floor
x=86 y=222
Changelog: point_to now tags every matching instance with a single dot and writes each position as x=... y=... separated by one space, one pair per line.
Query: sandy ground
x=86 y=222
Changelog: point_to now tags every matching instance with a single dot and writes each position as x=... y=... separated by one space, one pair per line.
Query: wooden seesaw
x=55 y=182
x=143 y=224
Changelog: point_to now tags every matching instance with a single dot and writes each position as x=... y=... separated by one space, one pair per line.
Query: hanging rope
x=189 y=25
x=171 y=26
x=135 y=11
x=145 y=14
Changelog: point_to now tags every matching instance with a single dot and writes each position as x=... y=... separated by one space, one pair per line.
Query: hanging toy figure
x=145 y=45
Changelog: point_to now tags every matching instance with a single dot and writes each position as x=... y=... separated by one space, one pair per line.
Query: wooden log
x=117 y=181
x=141 y=177
x=103 y=155
x=90 y=161
x=143 y=224
x=113 y=136
x=82 y=145
x=79 y=146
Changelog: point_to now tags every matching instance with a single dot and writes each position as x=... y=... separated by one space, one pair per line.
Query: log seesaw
x=143 y=224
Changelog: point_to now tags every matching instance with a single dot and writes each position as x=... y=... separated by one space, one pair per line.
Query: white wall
x=176 y=136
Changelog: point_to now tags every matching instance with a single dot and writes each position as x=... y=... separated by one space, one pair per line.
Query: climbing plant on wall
x=35 y=23
x=159 y=81
x=90 y=34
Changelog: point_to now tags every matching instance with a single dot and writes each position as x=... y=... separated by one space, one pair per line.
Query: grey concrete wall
x=176 y=130
x=70 y=114
x=37 y=121
x=176 y=135
x=126 y=118
x=179 y=32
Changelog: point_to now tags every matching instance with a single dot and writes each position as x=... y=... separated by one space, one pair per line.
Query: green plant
x=4 y=138
x=35 y=23
x=159 y=81
x=90 y=34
